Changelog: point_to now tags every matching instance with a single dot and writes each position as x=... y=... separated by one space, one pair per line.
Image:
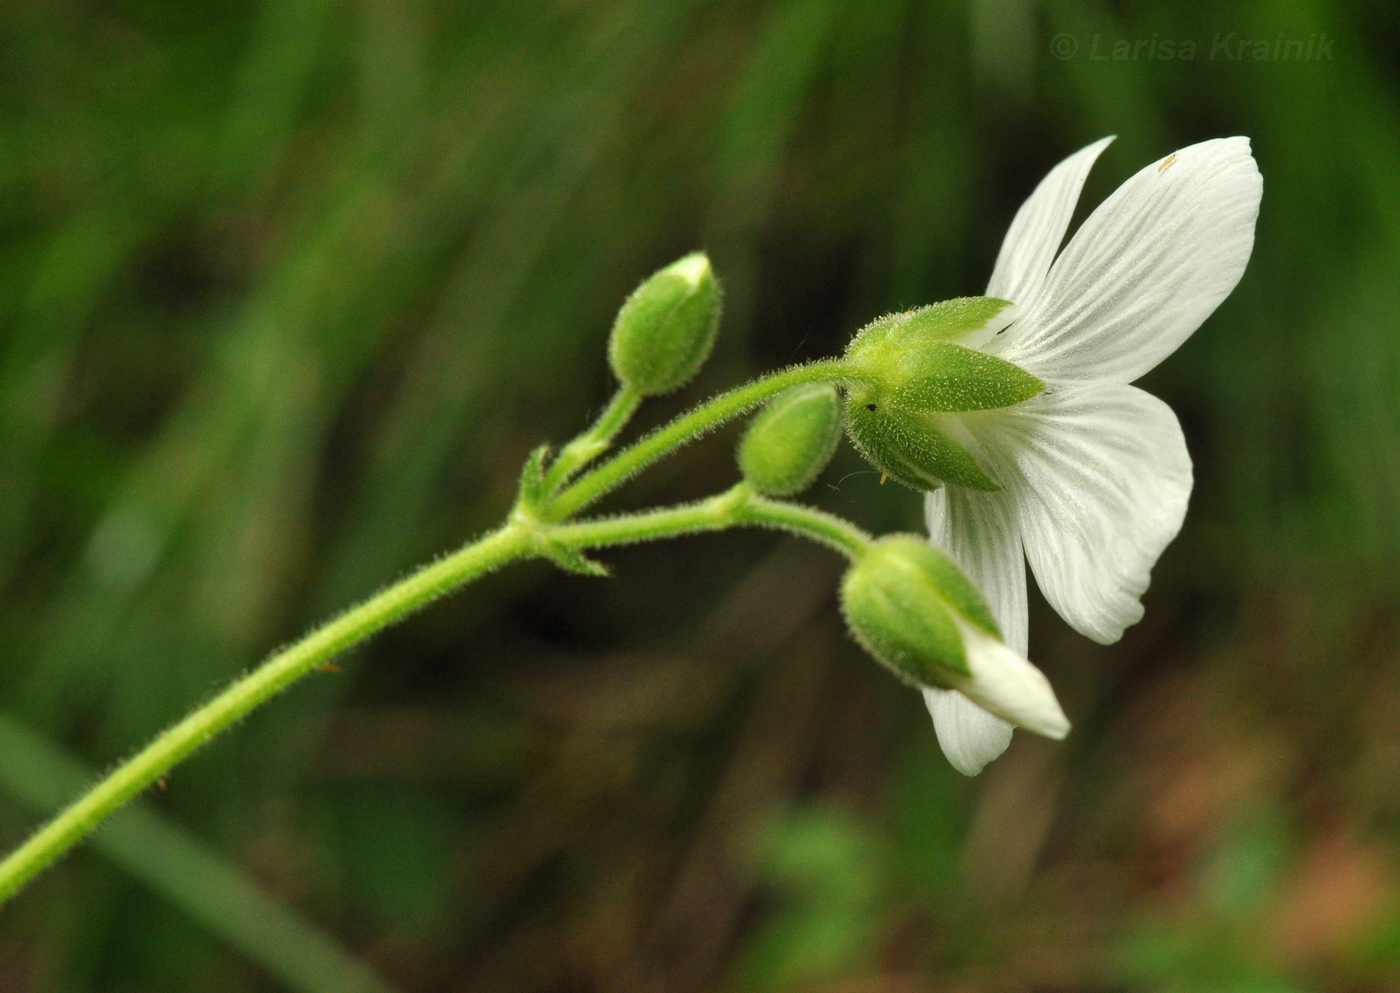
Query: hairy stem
x=735 y=507
x=254 y=689
x=627 y=463
x=528 y=532
x=595 y=441
x=805 y=522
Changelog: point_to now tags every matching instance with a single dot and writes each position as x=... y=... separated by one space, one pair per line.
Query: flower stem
x=739 y=505
x=805 y=522
x=524 y=535
x=281 y=670
x=631 y=460
x=593 y=442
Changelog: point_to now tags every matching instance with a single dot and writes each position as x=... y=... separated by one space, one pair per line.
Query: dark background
x=288 y=291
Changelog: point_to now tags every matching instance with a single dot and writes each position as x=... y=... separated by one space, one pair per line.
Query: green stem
x=595 y=441
x=737 y=506
x=525 y=534
x=713 y=514
x=805 y=522
x=627 y=463
x=276 y=674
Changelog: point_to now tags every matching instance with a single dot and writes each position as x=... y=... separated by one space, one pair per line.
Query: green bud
x=912 y=609
x=903 y=600
x=791 y=441
x=910 y=381
x=665 y=330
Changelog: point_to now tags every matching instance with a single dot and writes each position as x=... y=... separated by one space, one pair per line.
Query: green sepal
x=950 y=378
x=907 y=446
x=791 y=441
x=532 y=489
x=900 y=603
x=908 y=381
x=957 y=590
x=910 y=358
x=936 y=321
x=571 y=559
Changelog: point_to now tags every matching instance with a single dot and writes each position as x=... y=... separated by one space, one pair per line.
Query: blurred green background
x=289 y=289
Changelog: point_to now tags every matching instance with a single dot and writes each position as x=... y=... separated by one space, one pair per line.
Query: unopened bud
x=914 y=610
x=791 y=441
x=910 y=381
x=899 y=600
x=665 y=330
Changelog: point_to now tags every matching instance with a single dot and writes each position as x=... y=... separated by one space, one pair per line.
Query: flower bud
x=910 y=380
x=792 y=440
x=913 y=609
x=665 y=330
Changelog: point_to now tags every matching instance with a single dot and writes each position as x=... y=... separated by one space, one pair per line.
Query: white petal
x=1146 y=268
x=969 y=736
x=1004 y=683
x=978 y=531
x=1039 y=228
x=1101 y=481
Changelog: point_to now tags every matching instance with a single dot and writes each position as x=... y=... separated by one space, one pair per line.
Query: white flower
x=1094 y=472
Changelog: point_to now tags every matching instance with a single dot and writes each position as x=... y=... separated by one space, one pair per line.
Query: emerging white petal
x=1146 y=268
x=1039 y=228
x=968 y=735
x=1006 y=684
x=1101 y=484
x=978 y=531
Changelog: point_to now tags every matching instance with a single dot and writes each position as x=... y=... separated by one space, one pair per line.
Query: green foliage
x=393 y=844
x=532 y=490
x=824 y=867
x=572 y=560
x=1223 y=949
